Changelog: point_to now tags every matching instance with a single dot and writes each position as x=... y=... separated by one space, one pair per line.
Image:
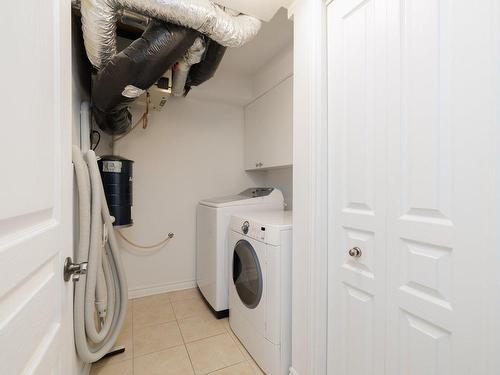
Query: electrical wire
x=161 y=243
x=98 y=139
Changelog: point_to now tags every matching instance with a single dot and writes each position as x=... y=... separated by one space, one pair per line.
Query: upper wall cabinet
x=268 y=128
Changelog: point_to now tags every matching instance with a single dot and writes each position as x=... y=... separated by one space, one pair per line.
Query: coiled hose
x=102 y=292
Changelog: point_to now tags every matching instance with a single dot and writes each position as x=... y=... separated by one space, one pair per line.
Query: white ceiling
x=273 y=38
x=262 y=9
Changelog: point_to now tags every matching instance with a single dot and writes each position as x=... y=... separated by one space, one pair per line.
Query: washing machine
x=260 y=287
x=212 y=227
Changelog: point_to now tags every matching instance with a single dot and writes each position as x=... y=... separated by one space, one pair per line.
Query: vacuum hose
x=102 y=292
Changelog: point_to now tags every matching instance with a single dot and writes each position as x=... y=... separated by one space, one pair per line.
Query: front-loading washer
x=212 y=228
x=260 y=286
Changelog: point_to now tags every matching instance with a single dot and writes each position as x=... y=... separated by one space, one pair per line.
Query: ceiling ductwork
x=135 y=69
x=206 y=69
x=192 y=33
x=99 y=23
x=181 y=70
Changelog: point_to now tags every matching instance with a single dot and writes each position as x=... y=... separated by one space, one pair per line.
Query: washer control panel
x=253 y=230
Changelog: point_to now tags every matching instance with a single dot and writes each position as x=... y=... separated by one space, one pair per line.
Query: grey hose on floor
x=103 y=291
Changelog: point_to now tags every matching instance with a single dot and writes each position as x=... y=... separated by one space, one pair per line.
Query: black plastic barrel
x=116 y=175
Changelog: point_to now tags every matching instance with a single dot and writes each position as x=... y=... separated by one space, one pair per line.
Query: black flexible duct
x=140 y=65
x=206 y=68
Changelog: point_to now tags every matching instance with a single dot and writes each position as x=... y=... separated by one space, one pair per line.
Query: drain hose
x=102 y=292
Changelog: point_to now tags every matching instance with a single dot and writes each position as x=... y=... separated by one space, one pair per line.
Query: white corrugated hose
x=100 y=301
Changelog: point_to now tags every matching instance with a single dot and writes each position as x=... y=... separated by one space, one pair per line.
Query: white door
x=357 y=180
x=440 y=190
x=35 y=189
x=411 y=183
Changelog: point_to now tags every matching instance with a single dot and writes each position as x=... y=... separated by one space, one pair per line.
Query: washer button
x=245 y=227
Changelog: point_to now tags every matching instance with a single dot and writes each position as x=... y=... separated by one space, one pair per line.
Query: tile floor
x=176 y=334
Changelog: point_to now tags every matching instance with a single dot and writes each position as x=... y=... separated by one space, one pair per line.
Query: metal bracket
x=74 y=269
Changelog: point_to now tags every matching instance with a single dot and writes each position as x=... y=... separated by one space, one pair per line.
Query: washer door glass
x=247 y=275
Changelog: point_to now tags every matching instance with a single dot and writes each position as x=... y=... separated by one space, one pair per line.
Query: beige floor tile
x=174 y=361
x=201 y=326
x=239 y=369
x=213 y=353
x=152 y=300
x=226 y=323
x=121 y=368
x=128 y=317
x=182 y=295
x=154 y=338
x=189 y=307
x=152 y=310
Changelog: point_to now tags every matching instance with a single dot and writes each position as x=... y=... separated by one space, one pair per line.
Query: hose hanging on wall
x=104 y=287
x=135 y=69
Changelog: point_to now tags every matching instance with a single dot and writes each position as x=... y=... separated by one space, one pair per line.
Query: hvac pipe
x=180 y=70
x=99 y=23
x=134 y=70
x=206 y=69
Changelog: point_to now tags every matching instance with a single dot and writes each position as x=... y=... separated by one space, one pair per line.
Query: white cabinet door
x=268 y=128
x=357 y=180
x=439 y=186
x=35 y=191
x=411 y=183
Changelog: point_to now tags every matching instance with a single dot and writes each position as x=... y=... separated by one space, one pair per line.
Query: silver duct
x=180 y=72
x=99 y=22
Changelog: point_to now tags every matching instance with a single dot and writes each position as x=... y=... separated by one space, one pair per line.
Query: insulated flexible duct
x=134 y=70
x=181 y=70
x=205 y=69
x=104 y=287
x=99 y=23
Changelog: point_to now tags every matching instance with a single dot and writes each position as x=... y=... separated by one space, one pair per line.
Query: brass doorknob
x=355 y=252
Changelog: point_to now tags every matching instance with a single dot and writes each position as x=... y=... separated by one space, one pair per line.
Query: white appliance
x=213 y=216
x=260 y=287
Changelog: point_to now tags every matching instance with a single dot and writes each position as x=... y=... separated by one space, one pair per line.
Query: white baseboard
x=161 y=288
x=293 y=372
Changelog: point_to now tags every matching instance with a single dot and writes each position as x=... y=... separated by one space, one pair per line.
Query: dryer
x=260 y=287
x=212 y=227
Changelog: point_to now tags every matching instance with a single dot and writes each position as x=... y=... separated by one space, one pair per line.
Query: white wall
x=191 y=150
x=281 y=178
x=225 y=87
x=279 y=68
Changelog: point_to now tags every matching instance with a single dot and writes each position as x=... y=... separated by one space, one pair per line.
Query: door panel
x=356 y=203
x=431 y=217
x=411 y=183
x=426 y=348
x=358 y=309
x=425 y=132
x=35 y=221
